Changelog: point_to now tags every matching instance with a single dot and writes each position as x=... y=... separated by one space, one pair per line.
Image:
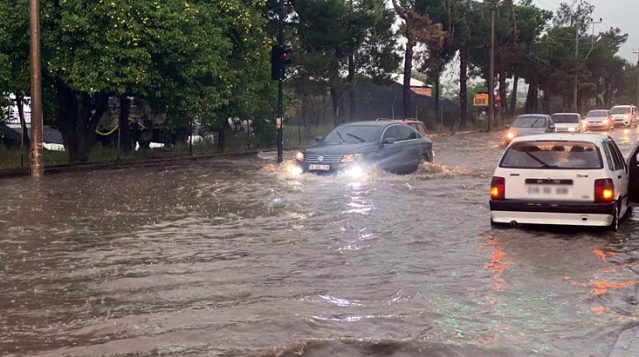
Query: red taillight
x=498 y=188
x=604 y=191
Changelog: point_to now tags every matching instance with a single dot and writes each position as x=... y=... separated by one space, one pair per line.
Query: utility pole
x=491 y=74
x=37 y=168
x=279 y=122
x=577 y=59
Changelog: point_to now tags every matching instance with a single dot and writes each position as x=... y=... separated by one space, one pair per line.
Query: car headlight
x=572 y=130
x=510 y=135
x=605 y=121
x=351 y=157
x=299 y=156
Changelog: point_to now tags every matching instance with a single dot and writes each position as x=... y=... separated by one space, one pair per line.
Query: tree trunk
x=125 y=132
x=463 y=87
x=513 y=96
x=502 y=94
x=437 y=96
x=408 y=69
x=335 y=101
x=546 y=104
x=79 y=114
x=531 y=98
x=23 y=123
x=351 y=92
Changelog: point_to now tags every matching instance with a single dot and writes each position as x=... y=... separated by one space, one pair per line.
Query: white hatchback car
x=562 y=179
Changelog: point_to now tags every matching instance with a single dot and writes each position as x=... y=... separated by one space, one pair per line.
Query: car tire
x=614 y=226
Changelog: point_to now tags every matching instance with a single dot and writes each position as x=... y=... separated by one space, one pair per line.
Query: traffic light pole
x=279 y=122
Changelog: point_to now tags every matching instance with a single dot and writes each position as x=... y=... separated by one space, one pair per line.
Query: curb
x=109 y=165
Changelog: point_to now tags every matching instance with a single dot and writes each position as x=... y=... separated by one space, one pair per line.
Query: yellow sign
x=480 y=100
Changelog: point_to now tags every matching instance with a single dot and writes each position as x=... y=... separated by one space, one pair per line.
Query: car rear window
x=565 y=118
x=552 y=155
x=597 y=114
x=620 y=110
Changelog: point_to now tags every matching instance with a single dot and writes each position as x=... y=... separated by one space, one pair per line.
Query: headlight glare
x=351 y=157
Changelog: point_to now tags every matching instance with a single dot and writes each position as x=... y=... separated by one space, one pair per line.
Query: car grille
x=326 y=159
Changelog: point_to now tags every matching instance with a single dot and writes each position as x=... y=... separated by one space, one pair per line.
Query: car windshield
x=565 y=118
x=552 y=155
x=353 y=134
x=597 y=114
x=620 y=110
x=530 y=122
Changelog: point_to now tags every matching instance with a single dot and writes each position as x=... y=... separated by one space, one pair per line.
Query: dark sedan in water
x=357 y=147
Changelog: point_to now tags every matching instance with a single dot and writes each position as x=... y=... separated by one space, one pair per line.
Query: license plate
x=548 y=191
x=314 y=167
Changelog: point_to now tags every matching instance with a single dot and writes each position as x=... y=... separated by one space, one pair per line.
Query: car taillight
x=604 y=191
x=498 y=188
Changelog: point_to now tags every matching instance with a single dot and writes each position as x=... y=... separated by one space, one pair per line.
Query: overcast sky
x=615 y=13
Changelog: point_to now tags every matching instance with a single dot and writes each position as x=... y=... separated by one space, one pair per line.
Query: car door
x=620 y=175
x=400 y=154
x=410 y=146
x=388 y=154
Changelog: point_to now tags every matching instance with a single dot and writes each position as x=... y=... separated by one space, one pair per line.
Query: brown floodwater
x=240 y=257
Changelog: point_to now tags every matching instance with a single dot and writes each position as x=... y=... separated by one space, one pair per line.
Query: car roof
x=379 y=123
x=623 y=106
x=588 y=137
x=599 y=110
x=532 y=115
x=566 y=114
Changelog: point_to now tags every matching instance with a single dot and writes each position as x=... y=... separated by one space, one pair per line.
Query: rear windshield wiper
x=356 y=137
x=542 y=162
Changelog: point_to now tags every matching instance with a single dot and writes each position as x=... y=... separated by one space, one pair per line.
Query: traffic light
x=280 y=58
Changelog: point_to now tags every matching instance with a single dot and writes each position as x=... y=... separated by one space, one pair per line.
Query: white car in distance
x=561 y=179
x=567 y=122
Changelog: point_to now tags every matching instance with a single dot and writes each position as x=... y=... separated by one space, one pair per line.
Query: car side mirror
x=318 y=139
x=552 y=127
x=507 y=126
x=388 y=141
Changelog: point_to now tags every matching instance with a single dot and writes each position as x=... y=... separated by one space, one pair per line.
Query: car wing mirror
x=388 y=141
x=551 y=127
x=318 y=139
x=507 y=126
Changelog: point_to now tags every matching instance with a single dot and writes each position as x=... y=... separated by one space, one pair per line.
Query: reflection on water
x=247 y=257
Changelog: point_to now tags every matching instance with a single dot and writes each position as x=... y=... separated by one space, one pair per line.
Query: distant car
x=625 y=115
x=529 y=124
x=598 y=119
x=561 y=179
x=567 y=122
x=356 y=147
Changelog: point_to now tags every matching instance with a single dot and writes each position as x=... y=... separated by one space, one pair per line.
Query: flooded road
x=239 y=257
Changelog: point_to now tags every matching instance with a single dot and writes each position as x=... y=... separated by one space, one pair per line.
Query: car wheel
x=614 y=226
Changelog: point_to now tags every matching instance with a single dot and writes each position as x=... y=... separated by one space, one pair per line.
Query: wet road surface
x=239 y=257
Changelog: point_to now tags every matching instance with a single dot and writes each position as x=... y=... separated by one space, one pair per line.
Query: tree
x=360 y=40
x=417 y=28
